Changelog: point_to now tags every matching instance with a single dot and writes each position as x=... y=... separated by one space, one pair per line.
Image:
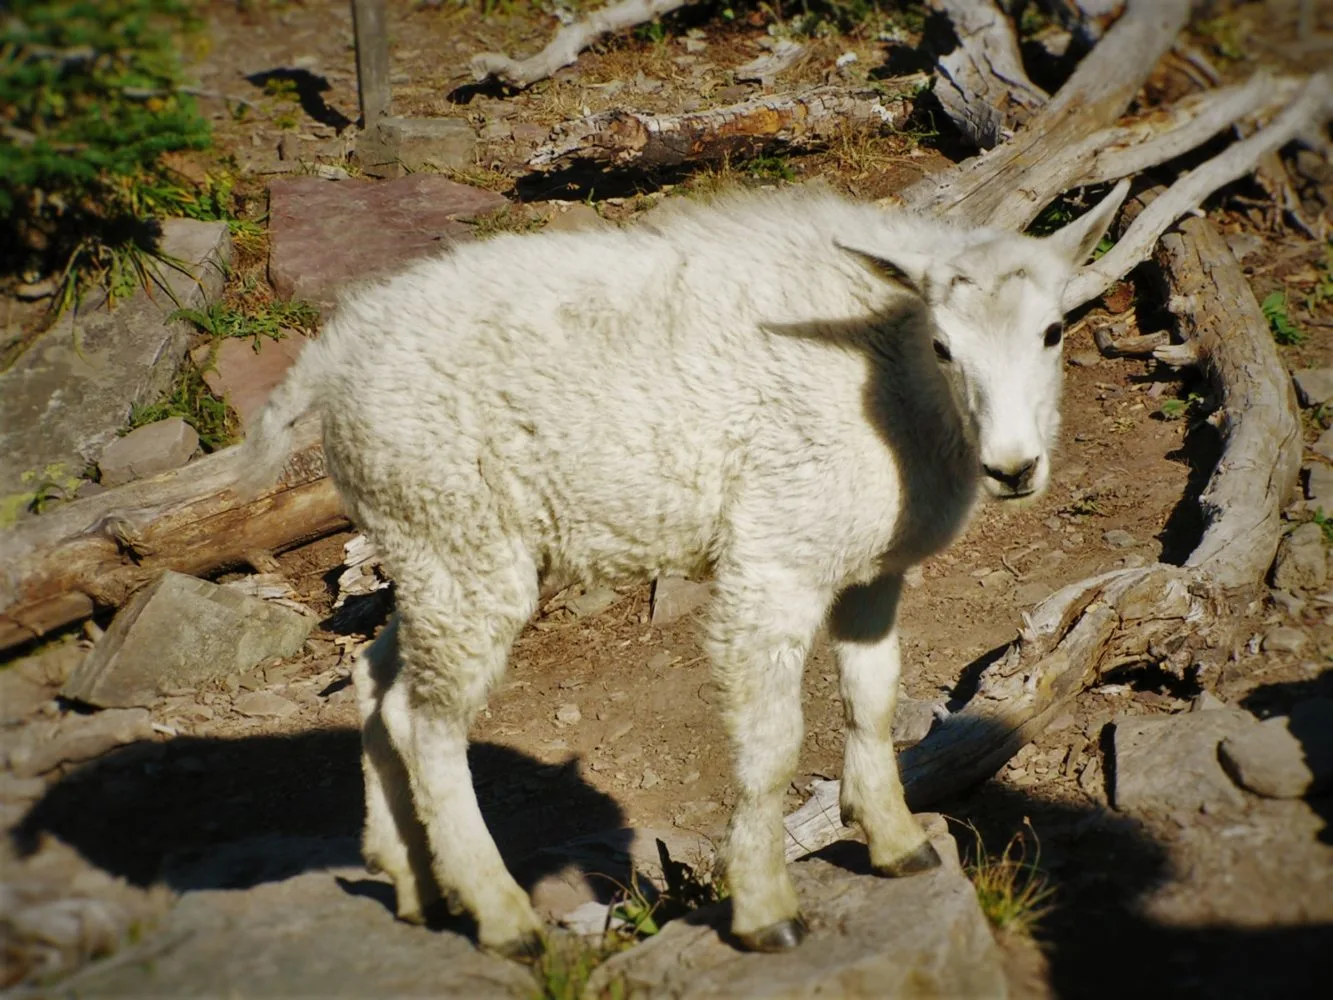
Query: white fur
x=747 y=388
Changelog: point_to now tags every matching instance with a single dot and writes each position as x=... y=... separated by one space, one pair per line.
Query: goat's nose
x=1016 y=477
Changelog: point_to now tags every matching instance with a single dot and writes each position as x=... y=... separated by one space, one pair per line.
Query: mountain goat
x=792 y=391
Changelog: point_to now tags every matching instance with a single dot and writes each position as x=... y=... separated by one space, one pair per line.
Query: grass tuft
x=1014 y=893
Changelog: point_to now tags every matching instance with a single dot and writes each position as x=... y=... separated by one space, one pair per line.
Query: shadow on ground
x=179 y=811
x=229 y=814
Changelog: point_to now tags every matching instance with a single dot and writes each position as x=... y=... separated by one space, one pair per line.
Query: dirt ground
x=1165 y=906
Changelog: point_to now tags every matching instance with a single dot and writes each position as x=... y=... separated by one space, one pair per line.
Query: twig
x=569 y=41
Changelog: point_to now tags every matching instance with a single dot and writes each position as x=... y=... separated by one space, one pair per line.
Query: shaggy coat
x=792 y=392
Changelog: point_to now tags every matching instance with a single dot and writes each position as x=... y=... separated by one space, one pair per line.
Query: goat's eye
x=1053 y=334
x=942 y=352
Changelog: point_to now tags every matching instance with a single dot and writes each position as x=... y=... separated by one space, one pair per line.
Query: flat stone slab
x=178 y=632
x=67 y=396
x=1170 y=763
x=325 y=235
x=923 y=936
x=246 y=377
x=146 y=451
x=309 y=935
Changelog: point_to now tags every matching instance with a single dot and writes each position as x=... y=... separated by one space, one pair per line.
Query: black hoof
x=782 y=936
x=925 y=858
x=528 y=948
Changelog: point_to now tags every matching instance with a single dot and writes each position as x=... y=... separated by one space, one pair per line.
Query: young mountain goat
x=791 y=391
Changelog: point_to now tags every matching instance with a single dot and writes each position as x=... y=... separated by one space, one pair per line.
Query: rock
x=997 y=579
x=1319 y=486
x=398 y=145
x=321 y=933
x=1314 y=386
x=246 y=376
x=530 y=133
x=869 y=937
x=1084 y=359
x=76 y=738
x=146 y=451
x=69 y=394
x=1301 y=563
x=675 y=597
x=592 y=603
x=1206 y=701
x=912 y=720
x=1284 y=640
x=396 y=222
x=19 y=696
x=1284 y=757
x=568 y=714
x=591 y=867
x=179 y=632
x=650 y=779
x=1324 y=444
x=265 y=704
x=578 y=216
x=1118 y=539
x=1169 y=763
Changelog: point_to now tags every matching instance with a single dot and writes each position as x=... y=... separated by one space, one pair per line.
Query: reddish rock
x=246 y=376
x=325 y=234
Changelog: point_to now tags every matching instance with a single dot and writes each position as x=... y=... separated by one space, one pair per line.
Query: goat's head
x=995 y=299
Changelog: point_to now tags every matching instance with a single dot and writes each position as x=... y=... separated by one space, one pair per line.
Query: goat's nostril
x=1017 y=478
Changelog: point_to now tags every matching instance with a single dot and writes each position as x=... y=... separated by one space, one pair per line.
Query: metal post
x=372 y=60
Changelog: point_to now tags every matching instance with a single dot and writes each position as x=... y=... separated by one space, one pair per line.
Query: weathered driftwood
x=563 y=50
x=1135 y=615
x=1242 y=503
x=620 y=139
x=1309 y=109
x=1093 y=98
x=981 y=84
x=93 y=553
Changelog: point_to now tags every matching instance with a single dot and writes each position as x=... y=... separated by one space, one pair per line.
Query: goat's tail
x=268 y=443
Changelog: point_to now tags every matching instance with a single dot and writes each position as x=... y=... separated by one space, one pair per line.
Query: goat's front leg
x=863 y=628
x=761 y=629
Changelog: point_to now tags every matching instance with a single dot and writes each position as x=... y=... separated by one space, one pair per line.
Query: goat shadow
x=205 y=813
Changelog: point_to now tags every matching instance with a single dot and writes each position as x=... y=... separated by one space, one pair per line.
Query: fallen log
x=1153 y=614
x=799 y=121
x=93 y=553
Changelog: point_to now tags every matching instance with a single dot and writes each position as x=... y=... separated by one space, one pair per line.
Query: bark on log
x=804 y=120
x=981 y=84
x=93 y=553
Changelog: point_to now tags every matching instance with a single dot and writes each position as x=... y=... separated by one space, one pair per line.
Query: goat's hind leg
x=394 y=841
x=863 y=628
x=454 y=637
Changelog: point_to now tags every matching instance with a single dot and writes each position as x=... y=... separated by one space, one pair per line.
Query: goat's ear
x=900 y=272
x=1077 y=240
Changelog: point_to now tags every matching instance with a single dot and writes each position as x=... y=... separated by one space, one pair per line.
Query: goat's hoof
x=782 y=936
x=925 y=858
x=526 y=948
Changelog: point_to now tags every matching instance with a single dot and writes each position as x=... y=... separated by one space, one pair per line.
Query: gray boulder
x=178 y=632
x=1167 y=763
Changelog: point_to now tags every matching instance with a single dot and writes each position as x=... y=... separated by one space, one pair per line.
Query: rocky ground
x=198 y=835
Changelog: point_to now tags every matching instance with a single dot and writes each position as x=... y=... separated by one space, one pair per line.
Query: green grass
x=1284 y=331
x=268 y=320
x=90 y=102
x=1325 y=525
x=192 y=401
x=1014 y=893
